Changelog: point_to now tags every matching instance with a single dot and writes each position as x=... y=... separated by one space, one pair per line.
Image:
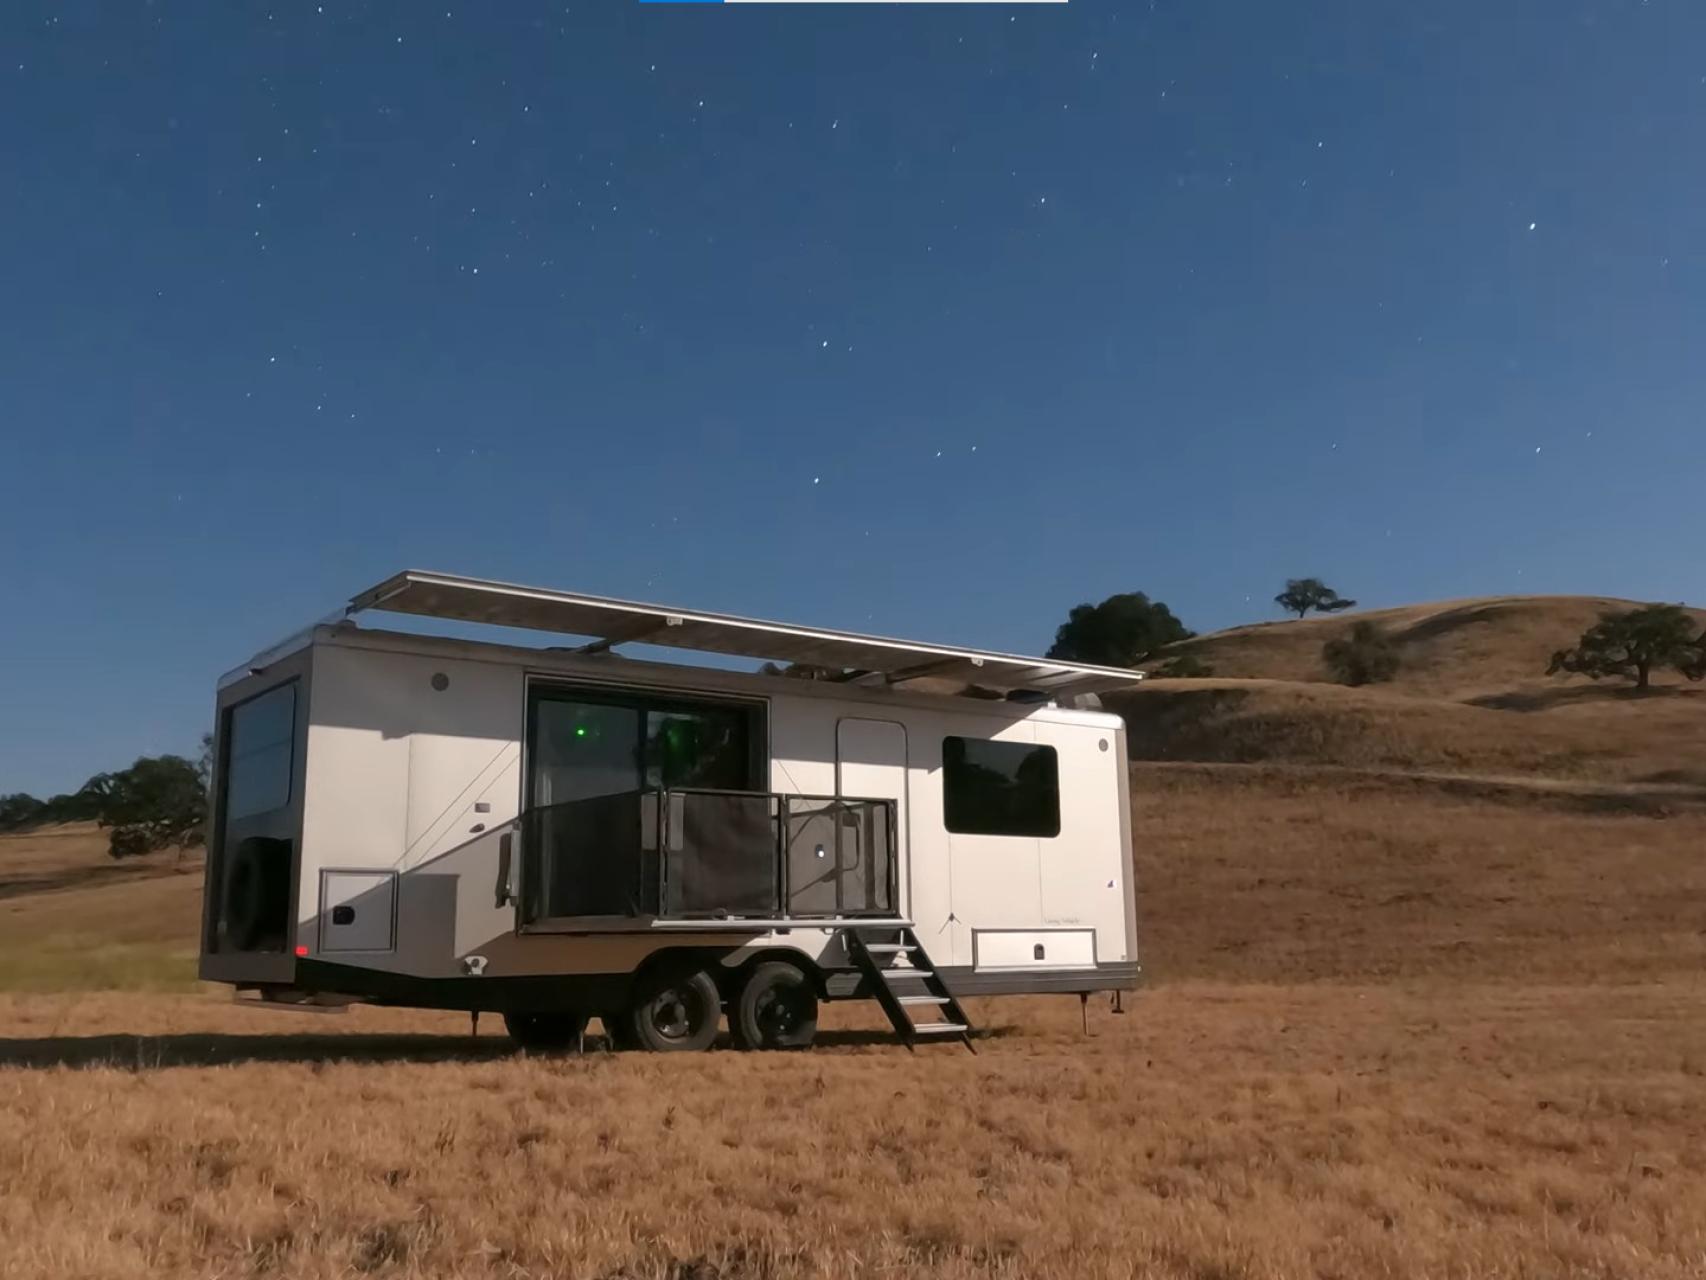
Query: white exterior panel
x=415 y=759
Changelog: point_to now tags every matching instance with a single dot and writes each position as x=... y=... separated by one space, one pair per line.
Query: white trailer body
x=446 y=823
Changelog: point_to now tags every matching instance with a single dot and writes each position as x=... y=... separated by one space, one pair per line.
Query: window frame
x=951 y=810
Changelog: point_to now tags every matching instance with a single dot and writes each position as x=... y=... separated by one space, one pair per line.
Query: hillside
x=1471 y=697
x=72 y=917
x=1459 y=650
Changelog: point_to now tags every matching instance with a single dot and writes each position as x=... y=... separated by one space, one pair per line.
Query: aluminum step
x=882 y=980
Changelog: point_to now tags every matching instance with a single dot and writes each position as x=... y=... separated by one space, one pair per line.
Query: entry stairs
x=899 y=976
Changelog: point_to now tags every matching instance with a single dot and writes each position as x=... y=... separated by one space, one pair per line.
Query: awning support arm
x=628 y=635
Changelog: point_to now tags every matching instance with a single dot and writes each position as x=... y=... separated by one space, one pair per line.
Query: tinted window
x=1000 y=788
x=703 y=747
x=259 y=752
x=605 y=743
x=583 y=749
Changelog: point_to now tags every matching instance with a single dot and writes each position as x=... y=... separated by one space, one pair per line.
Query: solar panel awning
x=607 y=623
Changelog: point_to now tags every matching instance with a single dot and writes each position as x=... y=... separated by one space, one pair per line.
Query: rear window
x=260 y=752
x=1000 y=788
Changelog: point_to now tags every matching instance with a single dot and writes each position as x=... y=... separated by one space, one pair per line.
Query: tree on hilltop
x=157 y=803
x=1633 y=643
x=1122 y=631
x=1303 y=594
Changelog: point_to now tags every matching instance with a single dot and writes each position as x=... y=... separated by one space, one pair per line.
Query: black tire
x=675 y=1011
x=776 y=1009
x=545 y=1032
x=245 y=897
x=257 y=894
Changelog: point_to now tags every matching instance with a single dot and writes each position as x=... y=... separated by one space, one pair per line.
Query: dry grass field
x=1436 y=1009
x=71 y=917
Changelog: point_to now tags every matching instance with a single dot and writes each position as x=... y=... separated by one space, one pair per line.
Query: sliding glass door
x=595 y=758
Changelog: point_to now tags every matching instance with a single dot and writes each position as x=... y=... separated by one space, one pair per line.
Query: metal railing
x=697 y=853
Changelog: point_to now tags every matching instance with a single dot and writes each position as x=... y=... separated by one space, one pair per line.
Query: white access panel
x=358 y=910
x=1033 y=948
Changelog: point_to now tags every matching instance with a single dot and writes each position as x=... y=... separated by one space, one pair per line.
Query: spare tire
x=257 y=893
x=245 y=895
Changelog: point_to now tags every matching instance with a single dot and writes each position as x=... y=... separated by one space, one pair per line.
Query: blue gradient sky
x=929 y=320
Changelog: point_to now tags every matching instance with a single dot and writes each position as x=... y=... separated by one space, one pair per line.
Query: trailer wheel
x=545 y=1032
x=675 y=1010
x=776 y=1009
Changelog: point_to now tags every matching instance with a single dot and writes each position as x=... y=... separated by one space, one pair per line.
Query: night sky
x=927 y=320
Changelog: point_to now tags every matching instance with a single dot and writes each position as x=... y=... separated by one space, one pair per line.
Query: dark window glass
x=603 y=744
x=1000 y=788
x=584 y=749
x=702 y=747
x=260 y=753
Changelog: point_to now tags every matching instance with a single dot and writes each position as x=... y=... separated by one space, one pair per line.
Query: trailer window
x=583 y=749
x=260 y=754
x=1000 y=788
x=698 y=747
x=606 y=742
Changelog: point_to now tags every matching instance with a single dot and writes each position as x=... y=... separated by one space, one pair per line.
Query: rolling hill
x=1470 y=697
x=1462 y=650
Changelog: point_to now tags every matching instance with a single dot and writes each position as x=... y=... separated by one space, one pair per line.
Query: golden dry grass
x=72 y=918
x=1273 y=874
x=1213 y=1132
x=1597 y=735
x=1456 y=649
x=1394 y=1028
x=1425 y=999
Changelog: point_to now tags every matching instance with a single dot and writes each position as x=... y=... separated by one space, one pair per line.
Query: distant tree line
x=1131 y=629
x=160 y=802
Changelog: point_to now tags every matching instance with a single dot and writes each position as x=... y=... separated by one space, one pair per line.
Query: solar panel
x=607 y=623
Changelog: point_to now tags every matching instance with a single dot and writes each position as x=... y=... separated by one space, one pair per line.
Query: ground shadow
x=148 y=1053
x=1573 y=695
x=15 y=884
x=153 y=1053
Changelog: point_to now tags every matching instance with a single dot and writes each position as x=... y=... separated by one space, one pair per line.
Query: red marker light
x=302 y=951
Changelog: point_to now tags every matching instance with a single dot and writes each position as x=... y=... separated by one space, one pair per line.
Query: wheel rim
x=777 y=1012
x=675 y=1014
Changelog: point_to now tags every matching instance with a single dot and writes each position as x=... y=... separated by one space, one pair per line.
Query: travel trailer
x=555 y=834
